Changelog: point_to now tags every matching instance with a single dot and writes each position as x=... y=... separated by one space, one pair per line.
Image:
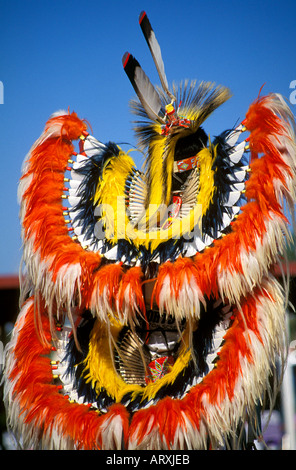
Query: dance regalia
x=150 y=318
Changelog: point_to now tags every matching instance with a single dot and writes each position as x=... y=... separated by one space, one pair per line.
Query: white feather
x=74 y=183
x=92 y=146
x=238 y=152
x=234 y=135
x=233 y=197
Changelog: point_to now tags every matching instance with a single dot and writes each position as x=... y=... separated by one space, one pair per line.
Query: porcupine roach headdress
x=149 y=316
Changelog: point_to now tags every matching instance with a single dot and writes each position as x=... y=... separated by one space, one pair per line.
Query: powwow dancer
x=149 y=316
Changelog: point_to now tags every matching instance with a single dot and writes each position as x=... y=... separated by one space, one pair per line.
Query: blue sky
x=58 y=54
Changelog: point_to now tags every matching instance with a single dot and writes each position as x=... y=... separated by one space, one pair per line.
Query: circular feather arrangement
x=149 y=316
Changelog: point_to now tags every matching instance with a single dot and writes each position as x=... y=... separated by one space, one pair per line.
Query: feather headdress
x=149 y=316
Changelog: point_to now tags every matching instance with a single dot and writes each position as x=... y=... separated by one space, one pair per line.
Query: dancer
x=149 y=315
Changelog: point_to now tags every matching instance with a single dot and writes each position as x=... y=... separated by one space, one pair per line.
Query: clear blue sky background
x=59 y=54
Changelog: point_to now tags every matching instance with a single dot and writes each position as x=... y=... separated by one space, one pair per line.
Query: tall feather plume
x=146 y=92
x=155 y=52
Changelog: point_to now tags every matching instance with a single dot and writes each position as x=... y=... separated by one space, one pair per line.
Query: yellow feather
x=111 y=196
x=156 y=172
x=99 y=362
x=206 y=178
x=102 y=374
x=169 y=162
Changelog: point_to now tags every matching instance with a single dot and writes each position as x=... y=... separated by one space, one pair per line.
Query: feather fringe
x=65 y=279
x=212 y=409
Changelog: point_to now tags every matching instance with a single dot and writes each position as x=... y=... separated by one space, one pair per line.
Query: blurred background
x=62 y=54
